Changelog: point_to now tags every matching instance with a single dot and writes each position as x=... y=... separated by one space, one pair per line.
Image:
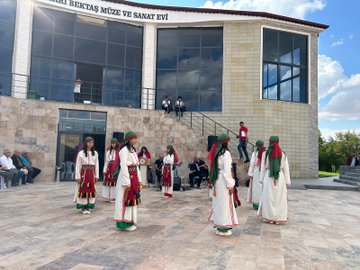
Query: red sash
x=87 y=187
x=132 y=194
x=166 y=177
x=109 y=178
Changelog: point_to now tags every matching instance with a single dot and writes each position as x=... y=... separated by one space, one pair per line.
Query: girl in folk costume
x=255 y=187
x=275 y=177
x=223 y=213
x=170 y=160
x=128 y=185
x=86 y=175
x=111 y=170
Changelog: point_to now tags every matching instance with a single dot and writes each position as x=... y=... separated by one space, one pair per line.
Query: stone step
x=349 y=182
x=352 y=174
x=350 y=178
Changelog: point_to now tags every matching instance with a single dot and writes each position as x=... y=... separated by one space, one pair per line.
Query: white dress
x=123 y=213
x=273 y=205
x=255 y=187
x=223 y=213
x=169 y=159
x=83 y=160
x=108 y=192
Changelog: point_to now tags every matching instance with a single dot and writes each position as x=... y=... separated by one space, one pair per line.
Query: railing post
x=202 y=126
x=215 y=129
x=191 y=120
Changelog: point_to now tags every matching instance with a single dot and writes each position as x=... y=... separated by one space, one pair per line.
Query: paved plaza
x=41 y=229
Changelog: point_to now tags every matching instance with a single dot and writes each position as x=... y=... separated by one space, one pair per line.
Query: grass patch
x=327 y=174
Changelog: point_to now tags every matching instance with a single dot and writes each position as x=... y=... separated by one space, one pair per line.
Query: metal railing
x=206 y=126
x=92 y=92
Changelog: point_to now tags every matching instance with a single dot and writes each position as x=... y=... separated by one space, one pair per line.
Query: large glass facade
x=285 y=66
x=7 y=29
x=105 y=56
x=190 y=64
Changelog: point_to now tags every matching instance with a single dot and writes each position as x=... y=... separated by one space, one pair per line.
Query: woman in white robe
x=86 y=176
x=223 y=213
x=275 y=177
x=128 y=186
x=255 y=187
x=111 y=168
x=168 y=171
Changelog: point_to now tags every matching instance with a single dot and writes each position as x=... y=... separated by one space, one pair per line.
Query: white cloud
x=291 y=8
x=351 y=36
x=326 y=133
x=345 y=100
x=330 y=73
x=338 y=43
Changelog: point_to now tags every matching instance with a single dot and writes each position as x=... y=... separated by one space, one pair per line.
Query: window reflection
x=285 y=66
x=189 y=64
x=105 y=55
x=7 y=28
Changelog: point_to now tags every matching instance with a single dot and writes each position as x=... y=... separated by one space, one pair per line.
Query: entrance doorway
x=74 y=127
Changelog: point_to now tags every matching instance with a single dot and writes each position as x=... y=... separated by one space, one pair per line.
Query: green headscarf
x=274 y=153
x=213 y=157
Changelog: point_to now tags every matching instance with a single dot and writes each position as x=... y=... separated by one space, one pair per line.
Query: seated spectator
x=7 y=175
x=144 y=153
x=21 y=162
x=198 y=171
x=166 y=105
x=180 y=106
x=7 y=165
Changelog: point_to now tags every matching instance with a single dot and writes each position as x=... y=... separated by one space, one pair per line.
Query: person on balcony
x=128 y=185
x=86 y=175
x=166 y=104
x=111 y=170
x=180 y=106
x=275 y=178
x=255 y=187
x=243 y=141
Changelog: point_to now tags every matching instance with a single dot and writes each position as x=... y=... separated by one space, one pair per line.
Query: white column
x=22 y=48
x=149 y=67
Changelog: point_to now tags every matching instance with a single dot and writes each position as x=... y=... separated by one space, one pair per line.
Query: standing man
x=158 y=169
x=243 y=140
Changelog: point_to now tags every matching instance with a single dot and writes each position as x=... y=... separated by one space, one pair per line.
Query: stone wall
x=33 y=126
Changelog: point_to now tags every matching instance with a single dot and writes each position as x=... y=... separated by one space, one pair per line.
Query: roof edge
x=223 y=11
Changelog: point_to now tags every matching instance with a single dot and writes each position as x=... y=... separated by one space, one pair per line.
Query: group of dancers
x=268 y=170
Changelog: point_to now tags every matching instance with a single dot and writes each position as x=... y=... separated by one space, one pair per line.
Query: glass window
x=189 y=64
x=211 y=57
x=116 y=55
x=96 y=54
x=63 y=46
x=189 y=58
x=42 y=43
x=105 y=55
x=284 y=66
x=133 y=57
x=6 y=60
x=167 y=58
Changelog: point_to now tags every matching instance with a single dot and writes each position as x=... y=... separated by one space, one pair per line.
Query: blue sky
x=339 y=51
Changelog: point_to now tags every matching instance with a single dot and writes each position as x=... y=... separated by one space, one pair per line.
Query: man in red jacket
x=243 y=140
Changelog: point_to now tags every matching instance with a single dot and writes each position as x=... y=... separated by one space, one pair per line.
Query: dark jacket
x=17 y=162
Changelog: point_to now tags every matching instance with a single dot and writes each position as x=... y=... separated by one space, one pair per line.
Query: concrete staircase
x=242 y=168
x=349 y=175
